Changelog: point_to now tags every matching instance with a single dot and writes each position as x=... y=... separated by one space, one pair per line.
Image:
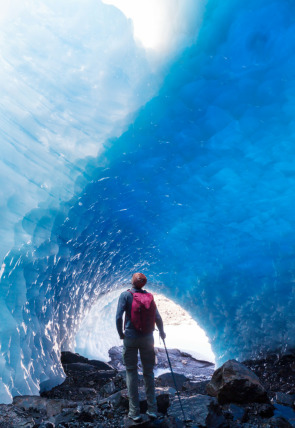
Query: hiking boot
x=135 y=418
x=151 y=414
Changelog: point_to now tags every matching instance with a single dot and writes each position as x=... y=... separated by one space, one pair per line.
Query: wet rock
x=285 y=399
x=235 y=383
x=166 y=379
x=202 y=410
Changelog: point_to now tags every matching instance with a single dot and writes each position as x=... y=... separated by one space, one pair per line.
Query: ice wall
x=198 y=194
x=71 y=77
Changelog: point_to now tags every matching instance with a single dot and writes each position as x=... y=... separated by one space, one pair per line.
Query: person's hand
x=122 y=336
x=163 y=335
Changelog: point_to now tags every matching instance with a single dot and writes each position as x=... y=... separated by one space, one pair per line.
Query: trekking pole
x=174 y=380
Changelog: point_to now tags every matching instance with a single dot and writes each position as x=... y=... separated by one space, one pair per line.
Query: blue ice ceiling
x=198 y=192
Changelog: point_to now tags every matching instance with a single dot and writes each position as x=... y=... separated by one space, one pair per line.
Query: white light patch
x=162 y=25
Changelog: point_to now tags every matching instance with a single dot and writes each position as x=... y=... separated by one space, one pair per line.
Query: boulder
x=68 y=357
x=235 y=383
x=166 y=379
x=201 y=410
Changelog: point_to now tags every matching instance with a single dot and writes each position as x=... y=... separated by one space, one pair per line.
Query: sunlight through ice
x=162 y=26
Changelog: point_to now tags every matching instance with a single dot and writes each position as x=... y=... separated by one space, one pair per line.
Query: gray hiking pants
x=145 y=345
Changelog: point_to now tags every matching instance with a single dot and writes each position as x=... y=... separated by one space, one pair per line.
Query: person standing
x=140 y=316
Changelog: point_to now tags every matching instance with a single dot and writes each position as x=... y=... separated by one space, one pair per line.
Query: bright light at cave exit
x=97 y=333
x=150 y=21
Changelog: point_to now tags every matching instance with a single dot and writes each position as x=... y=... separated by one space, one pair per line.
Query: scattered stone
x=202 y=410
x=235 y=383
x=94 y=398
x=67 y=416
x=275 y=371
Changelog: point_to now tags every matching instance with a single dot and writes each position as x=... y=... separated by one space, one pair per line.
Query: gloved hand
x=122 y=336
x=162 y=335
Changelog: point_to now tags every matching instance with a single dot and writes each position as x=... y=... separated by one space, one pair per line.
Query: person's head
x=139 y=280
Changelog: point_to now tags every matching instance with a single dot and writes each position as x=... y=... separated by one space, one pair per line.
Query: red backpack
x=143 y=312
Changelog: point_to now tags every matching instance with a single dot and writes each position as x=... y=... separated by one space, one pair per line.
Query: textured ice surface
x=198 y=193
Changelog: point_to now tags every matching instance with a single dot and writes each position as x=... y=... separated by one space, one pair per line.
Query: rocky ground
x=258 y=393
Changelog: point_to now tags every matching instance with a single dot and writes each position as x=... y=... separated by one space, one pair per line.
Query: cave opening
x=97 y=333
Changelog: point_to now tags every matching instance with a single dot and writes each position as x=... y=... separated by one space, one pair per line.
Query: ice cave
x=153 y=136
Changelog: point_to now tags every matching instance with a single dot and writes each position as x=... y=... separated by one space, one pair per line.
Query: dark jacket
x=124 y=305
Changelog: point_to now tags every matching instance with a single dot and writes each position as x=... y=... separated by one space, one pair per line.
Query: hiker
x=138 y=335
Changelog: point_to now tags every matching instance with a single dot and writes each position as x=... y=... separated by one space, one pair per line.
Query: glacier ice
x=197 y=193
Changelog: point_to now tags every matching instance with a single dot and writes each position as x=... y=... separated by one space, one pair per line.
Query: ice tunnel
x=117 y=157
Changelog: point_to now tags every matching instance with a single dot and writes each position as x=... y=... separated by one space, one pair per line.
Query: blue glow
x=198 y=194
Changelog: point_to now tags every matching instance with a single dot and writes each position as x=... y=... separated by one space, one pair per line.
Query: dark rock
x=275 y=371
x=285 y=399
x=119 y=399
x=236 y=413
x=87 y=414
x=46 y=424
x=14 y=417
x=266 y=410
x=202 y=410
x=193 y=388
x=235 y=383
x=67 y=416
x=166 y=379
x=277 y=422
x=164 y=397
x=108 y=389
x=71 y=358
